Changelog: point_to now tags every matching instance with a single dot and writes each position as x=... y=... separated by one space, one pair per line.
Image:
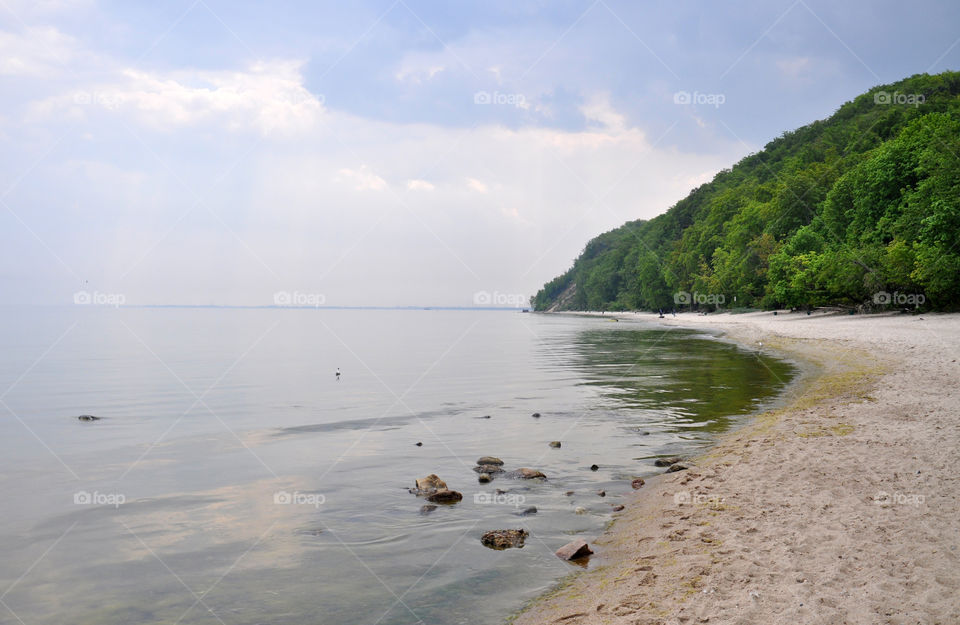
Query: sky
x=399 y=152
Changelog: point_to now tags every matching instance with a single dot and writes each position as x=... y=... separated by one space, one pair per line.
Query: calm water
x=209 y=416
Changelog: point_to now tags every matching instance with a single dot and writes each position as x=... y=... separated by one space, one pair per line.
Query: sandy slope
x=842 y=507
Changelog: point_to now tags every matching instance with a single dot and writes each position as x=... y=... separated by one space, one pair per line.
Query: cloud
x=476 y=185
x=38 y=52
x=362 y=179
x=419 y=185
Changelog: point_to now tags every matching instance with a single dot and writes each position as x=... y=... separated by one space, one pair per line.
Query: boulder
x=490 y=460
x=489 y=469
x=445 y=496
x=484 y=478
x=555 y=444
x=526 y=474
x=574 y=550
x=431 y=483
x=666 y=462
x=504 y=539
x=676 y=467
x=637 y=483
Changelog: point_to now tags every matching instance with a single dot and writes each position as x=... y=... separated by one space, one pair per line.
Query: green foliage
x=866 y=201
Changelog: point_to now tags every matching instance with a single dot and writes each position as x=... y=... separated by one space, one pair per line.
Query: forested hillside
x=860 y=208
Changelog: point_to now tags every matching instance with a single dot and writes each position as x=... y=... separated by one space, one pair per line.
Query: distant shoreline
x=837 y=507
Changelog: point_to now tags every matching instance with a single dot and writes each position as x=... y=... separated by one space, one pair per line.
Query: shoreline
x=837 y=506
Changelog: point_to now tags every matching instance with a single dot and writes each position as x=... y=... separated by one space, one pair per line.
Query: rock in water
x=530 y=510
x=555 y=444
x=666 y=462
x=430 y=483
x=618 y=507
x=574 y=550
x=88 y=417
x=602 y=493
x=490 y=460
x=526 y=474
x=445 y=496
x=637 y=483
x=536 y=415
x=427 y=508
x=489 y=469
x=594 y=467
x=484 y=478
x=579 y=510
x=676 y=467
x=419 y=444
x=504 y=539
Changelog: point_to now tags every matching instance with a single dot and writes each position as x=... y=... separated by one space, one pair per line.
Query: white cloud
x=476 y=185
x=599 y=110
x=38 y=52
x=362 y=179
x=419 y=185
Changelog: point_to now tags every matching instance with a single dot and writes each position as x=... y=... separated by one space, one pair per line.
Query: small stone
x=484 y=478
x=504 y=539
x=526 y=474
x=618 y=507
x=579 y=510
x=676 y=467
x=666 y=462
x=555 y=444
x=594 y=467
x=88 y=417
x=490 y=460
x=418 y=444
x=536 y=415
x=601 y=493
x=445 y=496
x=430 y=483
x=637 y=483
x=489 y=469
x=530 y=510
x=574 y=550
x=569 y=493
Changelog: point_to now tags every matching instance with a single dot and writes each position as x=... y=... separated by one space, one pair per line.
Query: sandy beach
x=842 y=506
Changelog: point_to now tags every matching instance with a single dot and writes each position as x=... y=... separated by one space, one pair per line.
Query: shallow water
x=210 y=415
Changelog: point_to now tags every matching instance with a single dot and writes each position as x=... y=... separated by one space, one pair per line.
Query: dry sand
x=841 y=507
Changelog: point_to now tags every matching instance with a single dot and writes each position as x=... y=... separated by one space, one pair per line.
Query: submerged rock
x=618 y=507
x=579 y=510
x=574 y=550
x=535 y=415
x=489 y=469
x=594 y=467
x=484 y=478
x=427 y=508
x=601 y=493
x=637 y=483
x=88 y=417
x=445 y=496
x=666 y=462
x=526 y=474
x=504 y=539
x=530 y=510
x=418 y=444
x=555 y=444
x=431 y=483
x=490 y=460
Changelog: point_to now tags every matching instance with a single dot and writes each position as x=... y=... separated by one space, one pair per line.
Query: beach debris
x=555 y=444
x=490 y=460
x=579 y=510
x=666 y=462
x=601 y=493
x=504 y=539
x=676 y=467
x=445 y=496
x=430 y=483
x=530 y=510
x=427 y=508
x=637 y=483
x=88 y=417
x=594 y=467
x=484 y=478
x=618 y=507
x=535 y=415
x=524 y=473
x=489 y=469
x=574 y=550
